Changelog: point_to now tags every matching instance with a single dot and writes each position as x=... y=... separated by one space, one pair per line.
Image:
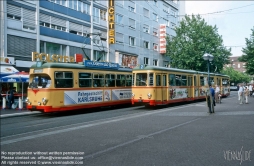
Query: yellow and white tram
x=154 y=85
x=69 y=86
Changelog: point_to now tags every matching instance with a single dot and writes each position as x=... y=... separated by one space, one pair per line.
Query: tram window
x=151 y=79
x=98 y=80
x=172 y=80
x=189 y=81
x=128 y=80
x=202 y=81
x=133 y=78
x=110 y=80
x=218 y=81
x=141 y=79
x=158 y=80
x=85 y=80
x=178 y=80
x=195 y=80
x=120 y=80
x=225 y=82
x=212 y=80
x=164 y=83
x=63 y=79
x=184 y=81
x=40 y=81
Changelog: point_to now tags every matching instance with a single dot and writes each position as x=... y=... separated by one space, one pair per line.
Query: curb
x=19 y=114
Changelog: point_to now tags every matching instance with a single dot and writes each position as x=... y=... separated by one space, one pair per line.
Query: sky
x=233 y=25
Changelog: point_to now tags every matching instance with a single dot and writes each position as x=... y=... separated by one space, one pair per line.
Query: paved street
x=179 y=135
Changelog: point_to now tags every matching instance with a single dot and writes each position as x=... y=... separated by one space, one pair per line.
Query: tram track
x=23 y=128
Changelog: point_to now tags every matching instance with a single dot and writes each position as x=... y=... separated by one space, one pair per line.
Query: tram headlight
x=133 y=95
x=27 y=100
x=149 y=95
x=39 y=103
x=44 y=100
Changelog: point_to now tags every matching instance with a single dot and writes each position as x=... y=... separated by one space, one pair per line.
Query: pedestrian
x=217 y=92
x=250 y=89
x=240 y=93
x=212 y=92
x=246 y=94
x=10 y=97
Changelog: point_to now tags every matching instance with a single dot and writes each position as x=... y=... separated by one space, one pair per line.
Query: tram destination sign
x=103 y=65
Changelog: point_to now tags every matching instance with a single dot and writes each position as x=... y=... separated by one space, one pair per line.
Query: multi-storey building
x=236 y=64
x=69 y=27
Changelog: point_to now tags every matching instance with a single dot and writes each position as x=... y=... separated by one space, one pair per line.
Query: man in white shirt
x=251 y=89
x=240 y=93
x=217 y=91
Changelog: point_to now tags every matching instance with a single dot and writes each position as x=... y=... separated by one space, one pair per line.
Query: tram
x=154 y=85
x=57 y=87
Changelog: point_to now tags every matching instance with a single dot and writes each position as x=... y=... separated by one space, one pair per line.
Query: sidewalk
x=4 y=113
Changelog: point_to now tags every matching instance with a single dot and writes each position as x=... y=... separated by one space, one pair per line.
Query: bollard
x=4 y=103
x=20 y=104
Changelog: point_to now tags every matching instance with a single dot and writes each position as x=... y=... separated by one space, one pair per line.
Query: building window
x=146 y=28
x=119 y=38
x=53 y=48
x=86 y=8
x=173 y=25
x=155 y=62
x=131 y=23
x=145 y=12
x=99 y=55
x=146 y=60
x=155 y=17
x=146 y=44
x=103 y=14
x=166 y=22
x=131 y=41
x=239 y=65
x=155 y=32
x=96 y=15
x=13 y=17
x=155 y=46
x=165 y=8
x=131 y=9
x=119 y=19
x=155 y=2
x=166 y=63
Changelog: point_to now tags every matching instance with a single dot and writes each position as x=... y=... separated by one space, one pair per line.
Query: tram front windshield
x=39 y=81
x=141 y=79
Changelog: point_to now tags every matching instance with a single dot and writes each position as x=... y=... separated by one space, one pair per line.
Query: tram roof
x=77 y=66
x=164 y=69
x=175 y=70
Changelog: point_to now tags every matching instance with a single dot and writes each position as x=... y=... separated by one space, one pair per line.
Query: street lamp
x=208 y=57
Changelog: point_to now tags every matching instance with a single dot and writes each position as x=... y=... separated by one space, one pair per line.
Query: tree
x=248 y=54
x=193 y=39
x=236 y=76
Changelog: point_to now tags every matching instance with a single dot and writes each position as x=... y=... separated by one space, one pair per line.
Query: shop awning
x=6 y=70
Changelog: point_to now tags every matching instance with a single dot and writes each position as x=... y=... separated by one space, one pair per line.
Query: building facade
x=236 y=64
x=69 y=27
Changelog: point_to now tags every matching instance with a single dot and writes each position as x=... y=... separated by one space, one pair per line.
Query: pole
x=208 y=66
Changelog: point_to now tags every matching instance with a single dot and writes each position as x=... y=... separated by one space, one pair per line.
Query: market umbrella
x=20 y=77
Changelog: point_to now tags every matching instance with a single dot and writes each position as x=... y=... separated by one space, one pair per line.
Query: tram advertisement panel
x=93 y=96
x=121 y=94
x=178 y=93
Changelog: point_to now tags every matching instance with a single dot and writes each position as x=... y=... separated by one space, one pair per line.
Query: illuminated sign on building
x=111 y=22
x=163 y=38
x=53 y=58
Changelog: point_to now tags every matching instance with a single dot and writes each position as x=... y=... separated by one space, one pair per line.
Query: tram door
x=190 y=87
x=195 y=87
x=161 y=88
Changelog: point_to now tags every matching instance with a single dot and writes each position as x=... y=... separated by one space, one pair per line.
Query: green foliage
x=248 y=54
x=236 y=76
x=193 y=39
